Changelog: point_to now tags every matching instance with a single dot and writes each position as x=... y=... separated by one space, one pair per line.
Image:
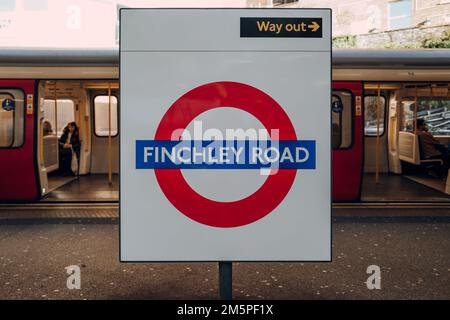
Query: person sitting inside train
x=430 y=146
x=47 y=128
x=69 y=143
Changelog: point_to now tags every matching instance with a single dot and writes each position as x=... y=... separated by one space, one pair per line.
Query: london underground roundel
x=168 y=153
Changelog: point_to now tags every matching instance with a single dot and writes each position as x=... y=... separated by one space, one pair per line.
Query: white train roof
x=342 y=58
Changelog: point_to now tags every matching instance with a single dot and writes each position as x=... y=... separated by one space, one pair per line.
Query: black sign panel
x=281 y=27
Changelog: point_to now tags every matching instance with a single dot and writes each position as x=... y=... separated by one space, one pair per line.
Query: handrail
x=109 y=136
x=377 y=147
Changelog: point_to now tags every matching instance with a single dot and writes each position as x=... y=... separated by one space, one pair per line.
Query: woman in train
x=47 y=128
x=69 y=146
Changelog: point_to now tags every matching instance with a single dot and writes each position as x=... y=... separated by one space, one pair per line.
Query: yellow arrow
x=314 y=26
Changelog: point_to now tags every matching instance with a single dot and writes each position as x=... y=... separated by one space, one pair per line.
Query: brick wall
x=401 y=38
x=366 y=23
x=351 y=17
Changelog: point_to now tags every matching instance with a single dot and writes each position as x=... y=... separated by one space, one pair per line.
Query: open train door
x=347 y=140
x=18 y=181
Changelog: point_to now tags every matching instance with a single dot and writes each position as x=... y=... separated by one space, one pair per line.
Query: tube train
x=376 y=97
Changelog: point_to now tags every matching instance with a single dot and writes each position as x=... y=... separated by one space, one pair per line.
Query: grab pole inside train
x=109 y=136
x=56 y=109
x=415 y=110
x=377 y=152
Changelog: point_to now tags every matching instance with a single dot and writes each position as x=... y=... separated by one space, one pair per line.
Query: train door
x=61 y=102
x=17 y=141
x=347 y=140
x=92 y=105
x=395 y=169
x=375 y=132
x=423 y=136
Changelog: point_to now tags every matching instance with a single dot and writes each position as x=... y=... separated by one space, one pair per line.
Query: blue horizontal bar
x=225 y=154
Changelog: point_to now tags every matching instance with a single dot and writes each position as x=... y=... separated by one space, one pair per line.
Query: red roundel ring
x=215 y=213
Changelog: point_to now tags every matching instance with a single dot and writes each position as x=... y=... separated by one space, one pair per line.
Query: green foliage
x=396 y=45
x=439 y=41
x=344 y=42
x=442 y=41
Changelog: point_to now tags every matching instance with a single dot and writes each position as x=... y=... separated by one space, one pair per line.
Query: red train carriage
x=377 y=96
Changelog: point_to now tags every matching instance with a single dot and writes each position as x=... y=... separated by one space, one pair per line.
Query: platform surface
x=414 y=257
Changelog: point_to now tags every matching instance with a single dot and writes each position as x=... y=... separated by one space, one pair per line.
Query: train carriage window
x=434 y=110
x=407 y=116
x=12 y=117
x=101 y=116
x=370 y=115
x=341 y=117
x=65 y=114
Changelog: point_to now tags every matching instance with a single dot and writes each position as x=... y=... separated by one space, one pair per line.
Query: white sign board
x=225 y=135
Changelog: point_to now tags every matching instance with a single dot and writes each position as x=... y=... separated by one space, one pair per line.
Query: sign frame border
x=330 y=138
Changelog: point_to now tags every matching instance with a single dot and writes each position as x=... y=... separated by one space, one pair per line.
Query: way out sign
x=225 y=135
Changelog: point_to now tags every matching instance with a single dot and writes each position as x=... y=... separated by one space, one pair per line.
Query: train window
x=61 y=117
x=407 y=116
x=341 y=117
x=12 y=118
x=435 y=111
x=101 y=116
x=370 y=115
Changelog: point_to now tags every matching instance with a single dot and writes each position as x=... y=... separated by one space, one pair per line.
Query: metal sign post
x=225 y=280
